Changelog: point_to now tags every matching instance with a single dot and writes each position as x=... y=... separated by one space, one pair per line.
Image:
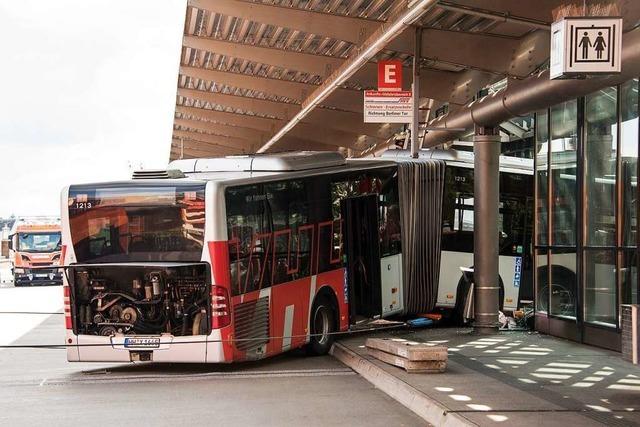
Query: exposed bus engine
x=137 y=300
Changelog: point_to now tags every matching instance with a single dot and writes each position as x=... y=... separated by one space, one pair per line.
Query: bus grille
x=251 y=324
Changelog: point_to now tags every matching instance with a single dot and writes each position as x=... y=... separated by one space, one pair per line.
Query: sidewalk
x=514 y=378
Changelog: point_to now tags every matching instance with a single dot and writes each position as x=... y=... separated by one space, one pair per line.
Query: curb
x=422 y=405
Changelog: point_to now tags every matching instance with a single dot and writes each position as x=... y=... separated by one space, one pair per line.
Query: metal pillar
x=415 y=88
x=486 y=182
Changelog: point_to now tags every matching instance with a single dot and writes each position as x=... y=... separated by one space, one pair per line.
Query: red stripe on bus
x=219 y=253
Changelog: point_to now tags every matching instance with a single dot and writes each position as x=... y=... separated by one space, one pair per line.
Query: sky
x=87 y=94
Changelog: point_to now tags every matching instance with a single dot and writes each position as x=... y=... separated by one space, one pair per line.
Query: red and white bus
x=230 y=259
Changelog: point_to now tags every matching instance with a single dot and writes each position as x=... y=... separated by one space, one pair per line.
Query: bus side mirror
x=10 y=244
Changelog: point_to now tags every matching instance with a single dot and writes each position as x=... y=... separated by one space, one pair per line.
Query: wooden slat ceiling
x=246 y=66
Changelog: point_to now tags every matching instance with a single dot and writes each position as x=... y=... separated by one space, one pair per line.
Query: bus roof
x=463 y=158
x=278 y=162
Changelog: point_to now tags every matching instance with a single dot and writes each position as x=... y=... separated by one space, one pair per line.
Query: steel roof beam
x=326 y=118
x=259 y=106
x=352 y=29
x=193 y=144
x=253 y=122
x=344 y=99
x=222 y=129
x=305 y=131
x=217 y=140
x=320 y=65
x=384 y=33
x=497 y=55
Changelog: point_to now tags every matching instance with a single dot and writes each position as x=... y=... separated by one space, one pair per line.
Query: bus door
x=362 y=251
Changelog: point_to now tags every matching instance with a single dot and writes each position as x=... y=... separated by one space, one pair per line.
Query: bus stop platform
x=511 y=378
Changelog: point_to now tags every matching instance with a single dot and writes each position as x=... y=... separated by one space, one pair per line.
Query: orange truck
x=35 y=250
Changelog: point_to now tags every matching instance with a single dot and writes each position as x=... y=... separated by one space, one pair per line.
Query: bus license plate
x=142 y=342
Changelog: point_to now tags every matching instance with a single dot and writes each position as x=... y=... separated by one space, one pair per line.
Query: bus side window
x=250 y=238
x=289 y=210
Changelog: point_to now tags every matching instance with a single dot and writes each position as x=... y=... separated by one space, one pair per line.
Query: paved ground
x=6 y=279
x=38 y=387
x=523 y=379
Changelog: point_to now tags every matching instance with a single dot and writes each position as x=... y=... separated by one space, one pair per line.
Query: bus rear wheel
x=322 y=326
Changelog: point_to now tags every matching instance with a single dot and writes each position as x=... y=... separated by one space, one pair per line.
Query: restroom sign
x=390 y=76
x=585 y=45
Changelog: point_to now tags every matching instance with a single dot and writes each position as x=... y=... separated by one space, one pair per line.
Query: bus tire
x=322 y=325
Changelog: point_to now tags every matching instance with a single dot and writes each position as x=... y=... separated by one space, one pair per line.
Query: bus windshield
x=137 y=222
x=39 y=242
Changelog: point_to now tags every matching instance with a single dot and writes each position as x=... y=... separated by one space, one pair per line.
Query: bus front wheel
x=322 y=327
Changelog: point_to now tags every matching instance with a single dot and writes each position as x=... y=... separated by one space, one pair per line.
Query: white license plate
x=140 y=342
x=42 y=275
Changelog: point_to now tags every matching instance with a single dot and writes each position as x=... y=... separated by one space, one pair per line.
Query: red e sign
x=389 y=75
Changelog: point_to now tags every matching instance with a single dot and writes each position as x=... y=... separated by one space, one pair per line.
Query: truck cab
x=35 y=251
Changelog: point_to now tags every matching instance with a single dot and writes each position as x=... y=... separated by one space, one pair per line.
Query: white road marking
x=111 y=378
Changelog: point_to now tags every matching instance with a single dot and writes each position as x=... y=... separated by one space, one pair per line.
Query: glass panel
x=564 y=137
x=137 y=222
x=542 y=185
x=629 y=159
x=600 y=287
x=563 y=283
x=39 y=242
x=514 y=217
x=629 y=277
x=542 y=281
x=600 y=167
x=249 y=238
x=289 y=208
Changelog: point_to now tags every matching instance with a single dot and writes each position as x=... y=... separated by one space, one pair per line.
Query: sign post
x=387 y=107
x=390 y=76
x=388 y=104
x=585 y=45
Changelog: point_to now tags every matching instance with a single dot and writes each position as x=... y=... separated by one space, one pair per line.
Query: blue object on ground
x=420 y=322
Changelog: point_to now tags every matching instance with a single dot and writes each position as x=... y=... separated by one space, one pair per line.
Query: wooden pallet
x=413 y=357
x=408 y=350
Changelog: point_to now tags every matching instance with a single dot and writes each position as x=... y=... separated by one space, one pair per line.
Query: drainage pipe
x=521 y=97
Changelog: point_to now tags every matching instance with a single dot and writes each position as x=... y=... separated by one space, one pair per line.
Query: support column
x=415 y=88
x=486 y=183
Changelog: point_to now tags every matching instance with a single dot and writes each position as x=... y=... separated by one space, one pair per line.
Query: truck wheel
x=322 y=325
x=15 y=281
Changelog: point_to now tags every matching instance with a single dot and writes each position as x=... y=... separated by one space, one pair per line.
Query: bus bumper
x=170 y=349
x=28 y=277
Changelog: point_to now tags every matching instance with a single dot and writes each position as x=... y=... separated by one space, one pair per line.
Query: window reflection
x=563 y=283
x=629 y=277
x=542 y=150
x=563 y=172
x=600 y=167
x=542 y=281
x=600 y=287
x=629 y=159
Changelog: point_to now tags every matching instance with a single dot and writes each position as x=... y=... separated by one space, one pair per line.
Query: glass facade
x=586 y=168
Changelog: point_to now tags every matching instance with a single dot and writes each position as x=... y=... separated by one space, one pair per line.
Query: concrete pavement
x=38 y=387
x=513 y=378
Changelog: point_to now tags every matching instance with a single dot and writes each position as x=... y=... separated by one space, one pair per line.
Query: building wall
x=586 y=214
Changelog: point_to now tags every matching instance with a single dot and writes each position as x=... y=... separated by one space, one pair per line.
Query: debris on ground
x=414 y=357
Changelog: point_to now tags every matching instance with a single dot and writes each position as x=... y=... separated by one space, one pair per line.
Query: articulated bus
x=515 y=225
x=240 y=258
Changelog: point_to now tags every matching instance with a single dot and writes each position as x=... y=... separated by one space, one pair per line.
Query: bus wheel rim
x=321 y=325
